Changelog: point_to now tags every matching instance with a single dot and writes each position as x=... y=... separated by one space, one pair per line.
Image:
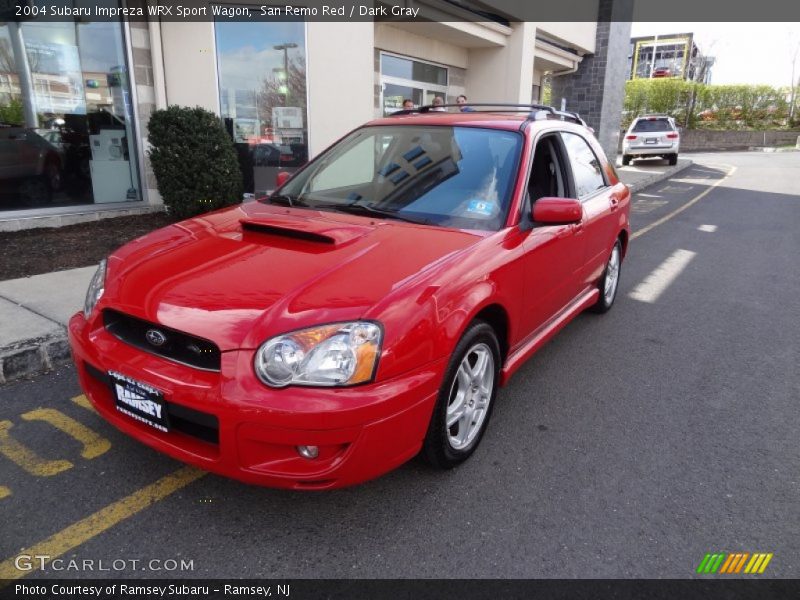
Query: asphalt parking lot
x=630 y=446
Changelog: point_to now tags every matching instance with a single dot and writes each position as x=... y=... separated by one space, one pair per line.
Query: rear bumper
x=650 y=150
x=229 y=423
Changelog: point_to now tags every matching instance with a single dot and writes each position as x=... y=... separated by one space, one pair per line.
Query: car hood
x=243 y=274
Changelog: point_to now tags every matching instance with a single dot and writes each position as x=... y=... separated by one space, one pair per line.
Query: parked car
x=652 y=135
x=32 y=160
x=368 y=310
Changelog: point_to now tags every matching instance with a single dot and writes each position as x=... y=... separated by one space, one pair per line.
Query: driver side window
x=548 y=177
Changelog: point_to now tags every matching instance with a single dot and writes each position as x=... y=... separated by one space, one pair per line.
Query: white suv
x=651 y=135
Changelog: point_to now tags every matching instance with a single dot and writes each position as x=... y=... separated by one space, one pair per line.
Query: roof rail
x=536 y=112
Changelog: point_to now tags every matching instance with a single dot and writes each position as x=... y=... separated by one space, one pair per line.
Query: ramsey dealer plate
x=140 y=401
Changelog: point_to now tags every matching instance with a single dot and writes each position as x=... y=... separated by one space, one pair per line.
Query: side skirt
x=541 y=336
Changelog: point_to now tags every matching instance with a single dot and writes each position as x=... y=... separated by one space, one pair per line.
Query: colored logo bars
x=734 y=562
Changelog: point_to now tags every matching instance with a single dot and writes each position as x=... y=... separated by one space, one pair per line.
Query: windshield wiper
x=282 y=200
x=370 y=211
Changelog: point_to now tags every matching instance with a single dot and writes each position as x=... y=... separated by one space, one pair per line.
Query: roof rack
x=536 y=112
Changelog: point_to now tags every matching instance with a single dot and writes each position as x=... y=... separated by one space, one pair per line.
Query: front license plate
x=140 y=401
x=650 y=141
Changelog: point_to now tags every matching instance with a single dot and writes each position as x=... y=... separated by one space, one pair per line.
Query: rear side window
x=586 y=168
x=648 y=126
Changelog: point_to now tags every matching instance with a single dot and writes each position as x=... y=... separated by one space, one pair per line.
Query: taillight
x=672 y=136
x=630 y=137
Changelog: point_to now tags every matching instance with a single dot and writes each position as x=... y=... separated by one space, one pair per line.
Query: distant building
x=673 y=55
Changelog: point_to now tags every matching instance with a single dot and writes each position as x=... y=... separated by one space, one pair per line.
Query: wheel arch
x=496 y=316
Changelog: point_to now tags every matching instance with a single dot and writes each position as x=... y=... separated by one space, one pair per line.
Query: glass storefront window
x=406 y=68
x=405 y=78
x=66 y=132
x=262 y=90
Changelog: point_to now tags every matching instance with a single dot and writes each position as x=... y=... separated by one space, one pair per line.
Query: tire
x=608 y=287
x=468 y=390
x=52 y=175
x=626 y=160
x=673 y=159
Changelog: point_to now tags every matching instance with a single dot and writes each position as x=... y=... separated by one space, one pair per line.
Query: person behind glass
x=438 y=104
x=408 y=104
x=461 y=101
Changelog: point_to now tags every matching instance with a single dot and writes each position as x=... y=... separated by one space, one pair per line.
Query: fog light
x=308 y=451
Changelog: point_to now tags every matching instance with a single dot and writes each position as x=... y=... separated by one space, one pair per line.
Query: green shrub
x=11 y=113
x=194 y=161
x=701 y=106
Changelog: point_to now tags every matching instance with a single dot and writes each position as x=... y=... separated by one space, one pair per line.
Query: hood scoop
x=317 y=232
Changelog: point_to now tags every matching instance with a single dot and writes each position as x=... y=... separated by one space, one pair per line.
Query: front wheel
x=609 y=282
x=465 y=399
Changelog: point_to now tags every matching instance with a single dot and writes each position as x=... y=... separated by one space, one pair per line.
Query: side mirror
x=557 y=211
x=281 y=178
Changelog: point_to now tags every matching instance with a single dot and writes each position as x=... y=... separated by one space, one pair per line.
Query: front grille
x=175 y=345
x=198 y=424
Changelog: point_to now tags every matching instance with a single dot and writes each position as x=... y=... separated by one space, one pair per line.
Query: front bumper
x=229 y=423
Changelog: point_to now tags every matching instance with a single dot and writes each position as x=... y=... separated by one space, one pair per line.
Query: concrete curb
x=33 y=356
x=638 y=186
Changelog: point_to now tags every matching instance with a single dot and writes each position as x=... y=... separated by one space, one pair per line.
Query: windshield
x=457 y=177
x=652 y=125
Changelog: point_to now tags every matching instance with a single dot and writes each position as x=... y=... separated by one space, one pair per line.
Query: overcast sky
x=746 y=52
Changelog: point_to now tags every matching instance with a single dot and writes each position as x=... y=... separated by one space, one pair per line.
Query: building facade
x=673 y=55
x=76 y=96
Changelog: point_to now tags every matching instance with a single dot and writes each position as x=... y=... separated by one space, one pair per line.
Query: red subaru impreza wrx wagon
x=367 y=310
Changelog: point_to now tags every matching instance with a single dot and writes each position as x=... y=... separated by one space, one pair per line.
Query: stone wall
x=703 y=140
x=596 y=90
x=699 y=139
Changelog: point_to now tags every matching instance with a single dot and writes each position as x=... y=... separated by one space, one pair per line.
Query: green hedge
x=194 y=161
x=696 y=105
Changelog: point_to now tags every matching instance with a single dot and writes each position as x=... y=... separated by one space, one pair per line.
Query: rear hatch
x=653 y=131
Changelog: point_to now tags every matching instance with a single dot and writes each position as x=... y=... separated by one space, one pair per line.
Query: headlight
x=96 y=287
x=331 y=355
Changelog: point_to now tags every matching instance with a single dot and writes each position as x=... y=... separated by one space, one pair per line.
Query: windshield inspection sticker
x=481 y=207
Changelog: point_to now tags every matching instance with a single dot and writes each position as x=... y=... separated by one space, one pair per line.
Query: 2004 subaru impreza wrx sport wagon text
x=368 y=309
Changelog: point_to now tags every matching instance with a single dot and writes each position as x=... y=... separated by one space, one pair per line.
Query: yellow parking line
x=694 y=200
x=4 y=492
x=105 y=518
x=83 y=402
x=27 y=458
x=93 y=444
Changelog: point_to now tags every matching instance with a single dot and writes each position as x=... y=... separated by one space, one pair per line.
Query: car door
x=553 y=254
x=19 y=156
x=599 y=205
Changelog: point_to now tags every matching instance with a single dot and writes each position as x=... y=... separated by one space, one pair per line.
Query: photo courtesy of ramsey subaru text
x=367 y=310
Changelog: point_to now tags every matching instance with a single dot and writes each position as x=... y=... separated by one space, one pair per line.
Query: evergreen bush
x=194 y=161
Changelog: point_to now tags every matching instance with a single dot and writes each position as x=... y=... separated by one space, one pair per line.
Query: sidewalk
x=645 y=173
x=34 y=311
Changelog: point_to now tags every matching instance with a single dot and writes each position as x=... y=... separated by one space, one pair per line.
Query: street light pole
x=285 y=47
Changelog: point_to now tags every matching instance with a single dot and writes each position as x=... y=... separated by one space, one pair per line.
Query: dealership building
x=76 y=94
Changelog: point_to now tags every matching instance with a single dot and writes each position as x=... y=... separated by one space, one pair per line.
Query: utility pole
x=653 y=61
x=795 y=83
